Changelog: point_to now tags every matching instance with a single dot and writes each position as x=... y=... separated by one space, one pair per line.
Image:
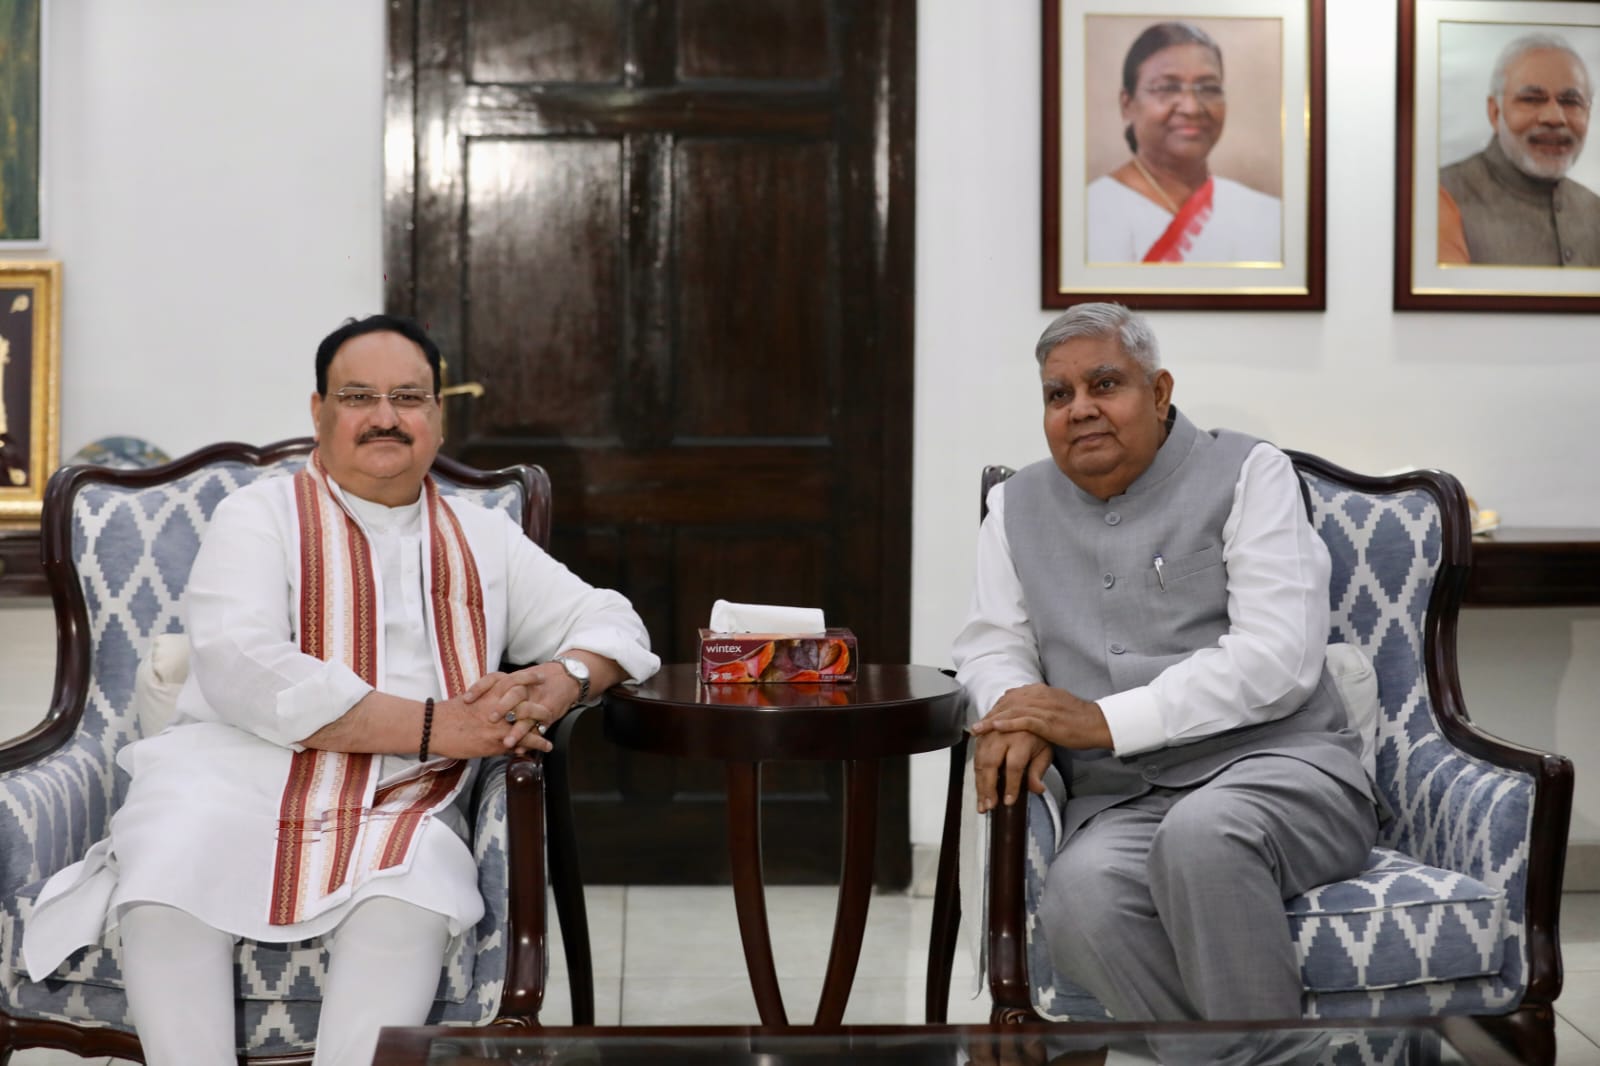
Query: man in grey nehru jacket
x=1150 y=613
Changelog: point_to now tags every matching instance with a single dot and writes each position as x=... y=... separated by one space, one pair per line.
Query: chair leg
x=566 y=879
x=1529 y=1032
x=946 y=895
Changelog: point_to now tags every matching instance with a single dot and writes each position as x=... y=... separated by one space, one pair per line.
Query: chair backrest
x=1401 y=548
x=119 y=545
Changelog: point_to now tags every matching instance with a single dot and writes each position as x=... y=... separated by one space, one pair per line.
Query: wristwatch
x=578 y=670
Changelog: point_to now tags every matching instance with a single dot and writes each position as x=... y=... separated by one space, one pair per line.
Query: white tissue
x=764 y=618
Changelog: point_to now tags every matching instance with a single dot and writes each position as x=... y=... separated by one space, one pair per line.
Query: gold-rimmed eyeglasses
x=1168 y=92
x=399 y=399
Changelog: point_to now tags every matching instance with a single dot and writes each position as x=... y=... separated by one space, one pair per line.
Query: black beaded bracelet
x=427 y=728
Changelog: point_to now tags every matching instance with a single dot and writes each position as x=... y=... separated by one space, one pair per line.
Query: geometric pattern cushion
x=1436 y=923
x=133 y=548
x=1397 y=923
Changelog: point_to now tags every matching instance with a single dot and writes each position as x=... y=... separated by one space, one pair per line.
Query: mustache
x=395 y=433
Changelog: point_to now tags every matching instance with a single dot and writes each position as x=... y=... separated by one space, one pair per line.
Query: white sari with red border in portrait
x=1222 y=222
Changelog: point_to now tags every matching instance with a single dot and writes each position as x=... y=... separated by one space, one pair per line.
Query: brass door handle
x=466 y=388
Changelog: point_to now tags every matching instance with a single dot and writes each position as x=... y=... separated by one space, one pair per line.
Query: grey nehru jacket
x=1512 y=219
x=1104 y=622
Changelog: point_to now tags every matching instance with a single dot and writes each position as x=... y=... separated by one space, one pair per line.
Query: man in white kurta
x=192 y=852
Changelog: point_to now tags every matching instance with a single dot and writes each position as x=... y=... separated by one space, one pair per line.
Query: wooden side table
x=887 y=711
x=1532 y=566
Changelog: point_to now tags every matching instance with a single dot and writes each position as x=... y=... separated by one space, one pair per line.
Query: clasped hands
x=504 y=711
x=1018 y=735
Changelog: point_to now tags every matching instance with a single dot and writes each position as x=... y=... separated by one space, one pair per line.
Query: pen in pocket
x=1158 y=563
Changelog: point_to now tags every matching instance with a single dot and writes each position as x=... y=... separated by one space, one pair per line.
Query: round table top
x=887 y=710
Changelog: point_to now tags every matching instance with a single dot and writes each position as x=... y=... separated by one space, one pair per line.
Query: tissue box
x=778 y=657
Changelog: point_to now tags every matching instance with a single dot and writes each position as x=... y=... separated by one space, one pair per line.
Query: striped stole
x=336 y=827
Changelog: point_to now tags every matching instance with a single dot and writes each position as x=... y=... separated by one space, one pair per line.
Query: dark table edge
x=409 y=1046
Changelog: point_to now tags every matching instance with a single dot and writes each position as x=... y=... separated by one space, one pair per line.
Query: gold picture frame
x=30 y=386
x=1448 y=53
x=1260 y=244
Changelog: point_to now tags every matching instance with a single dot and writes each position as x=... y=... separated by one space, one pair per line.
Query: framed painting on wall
x=30 y=369
x=1183 y=154
x=1497 y=200
x=22 y=43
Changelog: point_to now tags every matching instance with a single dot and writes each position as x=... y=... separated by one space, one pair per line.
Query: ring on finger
x=511 y=717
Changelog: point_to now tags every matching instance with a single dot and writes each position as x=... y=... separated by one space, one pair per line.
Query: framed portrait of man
x=1497 y=188
x=1183 y=154
x=30 y=330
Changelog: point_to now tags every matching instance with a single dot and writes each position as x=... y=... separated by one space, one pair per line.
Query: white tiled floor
x=665 y=955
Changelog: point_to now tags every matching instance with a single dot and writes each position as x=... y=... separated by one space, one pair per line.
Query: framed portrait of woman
x=1497 y=190
x=1183 y=154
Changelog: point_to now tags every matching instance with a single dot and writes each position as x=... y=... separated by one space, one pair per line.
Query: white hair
x=1131 y=330
x=1532 y=42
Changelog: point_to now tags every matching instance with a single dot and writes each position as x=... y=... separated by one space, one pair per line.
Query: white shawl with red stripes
x=336 y=827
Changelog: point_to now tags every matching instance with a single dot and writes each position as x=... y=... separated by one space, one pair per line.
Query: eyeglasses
x=1569 y=100
x=401 y=399
x=1167 y=92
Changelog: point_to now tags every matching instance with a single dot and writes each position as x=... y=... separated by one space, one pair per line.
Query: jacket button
x=1112 y=518
x=1117 y=649
x=1150 y=773
x=1109 y=580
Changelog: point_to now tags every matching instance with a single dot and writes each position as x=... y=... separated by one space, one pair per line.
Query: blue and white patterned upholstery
x=1435 y=924
x=133 y=548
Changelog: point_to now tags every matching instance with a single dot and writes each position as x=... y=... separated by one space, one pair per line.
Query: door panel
x=738 y=39
x=672 y=240
x=757 y=354
x=554 y=205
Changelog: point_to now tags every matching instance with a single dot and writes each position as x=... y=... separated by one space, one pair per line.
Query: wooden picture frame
x=30 y=398
x=1252 y=235
x=23 y=28
x=1446 y=139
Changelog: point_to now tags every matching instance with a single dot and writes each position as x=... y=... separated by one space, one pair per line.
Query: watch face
x=576 y=667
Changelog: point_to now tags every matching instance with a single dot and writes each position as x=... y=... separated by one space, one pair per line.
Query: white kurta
x=1245 y=226
x=198 y=828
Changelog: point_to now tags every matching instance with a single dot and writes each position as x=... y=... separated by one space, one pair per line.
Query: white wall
x=216 y=199
x=216 y=176
x=1501 y=401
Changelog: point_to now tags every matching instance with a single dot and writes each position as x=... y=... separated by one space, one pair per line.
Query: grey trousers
x=1170 y=904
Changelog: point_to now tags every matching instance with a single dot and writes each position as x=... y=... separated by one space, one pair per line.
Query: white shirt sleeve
x=245 y=665
x=1263 y=668
x=550 y=610
x=996 y=650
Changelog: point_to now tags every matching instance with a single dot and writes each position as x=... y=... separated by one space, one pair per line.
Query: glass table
x=1419 y=1042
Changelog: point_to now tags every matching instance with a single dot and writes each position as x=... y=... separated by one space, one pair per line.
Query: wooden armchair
x=118 y=549
x=1456 y=912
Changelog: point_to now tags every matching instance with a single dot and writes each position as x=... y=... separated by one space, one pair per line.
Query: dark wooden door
x=673 y=241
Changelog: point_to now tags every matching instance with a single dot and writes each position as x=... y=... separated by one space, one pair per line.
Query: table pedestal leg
x=749 y=890
x=855 y=887
x=946 y=894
